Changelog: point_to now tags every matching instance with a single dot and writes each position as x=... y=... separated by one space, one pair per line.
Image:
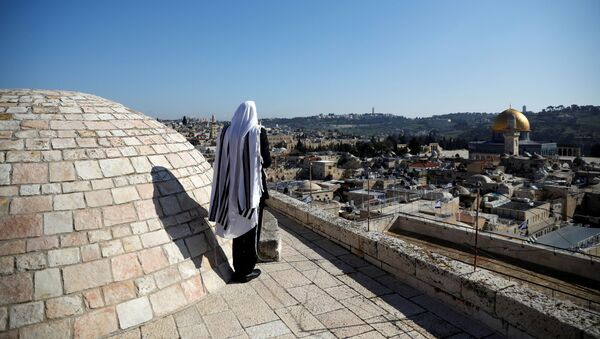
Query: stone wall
x=102 y=218
x=504 y=305
x=575 y=264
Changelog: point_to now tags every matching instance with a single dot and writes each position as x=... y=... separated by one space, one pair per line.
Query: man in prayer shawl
x=239 y=187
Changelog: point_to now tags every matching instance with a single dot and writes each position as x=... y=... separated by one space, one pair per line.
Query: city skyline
x=300 y=59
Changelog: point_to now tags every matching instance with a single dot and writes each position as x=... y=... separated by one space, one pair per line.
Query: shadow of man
x=186 y=223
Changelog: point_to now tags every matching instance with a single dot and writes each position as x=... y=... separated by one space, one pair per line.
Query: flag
x=438 y=204
x=523 y=225
x=307 y=199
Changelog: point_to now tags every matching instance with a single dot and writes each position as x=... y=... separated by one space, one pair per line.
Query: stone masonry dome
x=102 y=217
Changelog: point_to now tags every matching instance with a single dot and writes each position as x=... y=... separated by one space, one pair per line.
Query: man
x=239 y=187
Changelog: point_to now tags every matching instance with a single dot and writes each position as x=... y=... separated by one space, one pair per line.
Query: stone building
x=510 y=135
x=102 y=217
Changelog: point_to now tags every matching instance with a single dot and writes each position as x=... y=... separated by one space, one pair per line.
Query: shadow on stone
x=186 y=223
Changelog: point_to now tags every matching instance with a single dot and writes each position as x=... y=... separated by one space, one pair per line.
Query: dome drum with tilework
x=102 y=217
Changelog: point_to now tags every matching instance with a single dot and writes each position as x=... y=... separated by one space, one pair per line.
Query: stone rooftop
x=318 y=290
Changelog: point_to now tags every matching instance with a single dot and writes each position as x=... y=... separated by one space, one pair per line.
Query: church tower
x=213 y=128
x=511 y=137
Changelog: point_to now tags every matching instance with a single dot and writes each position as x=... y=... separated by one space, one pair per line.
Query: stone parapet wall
x=504 y=305
x=102 y=217
x=575 y=264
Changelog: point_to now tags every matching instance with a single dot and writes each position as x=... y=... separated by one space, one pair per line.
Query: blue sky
x=415 y=58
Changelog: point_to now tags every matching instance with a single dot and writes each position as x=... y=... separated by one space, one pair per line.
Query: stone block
x=5 y=174
x=71 y=201
x=267 y=330
x=115 y=167
x=61 y=171
x=31 y=261
x=99 y=235
x=170 y=205
x=141 y=164
x=26 y=314
x=87 y=275
x=43 y=243
x=480 y=287
x=125 y=194
x=134 y=312
x=64 y=306
x=20 y=226
x=87 y=219
x=442 y=272
x=50 y=330
x=111 y=248
x=98 y=198
x=7 y=265
x=155 y=238
x=6 y=145
x=166 y=277
x=145 y=285
x=31 y=173
x=30 y=189
x=167 y=300
x=51 y=189
x=176 y=251
x=58 y=222
x=75 y=186
x=93 y=298
x=148 y=209
x=118 y=292
x=193 y=288
x=48 y=284
x=34 y=204
x=132 y=243
x=16 y=288
x=126 y=266
x=223 y=325
x=63 y=143
x=162 y=328
x=269 y=245
x=96 y=324
x=90 y=252
x=73 y=239
x=24 y=156
x=152 y=259
x=63 y=256
x=197 y=245
x=119 y=214
x=88 y=169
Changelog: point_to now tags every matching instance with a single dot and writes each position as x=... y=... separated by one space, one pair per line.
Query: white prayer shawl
x=237 y=180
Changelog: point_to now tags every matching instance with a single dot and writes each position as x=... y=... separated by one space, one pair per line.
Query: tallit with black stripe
x=237 y=181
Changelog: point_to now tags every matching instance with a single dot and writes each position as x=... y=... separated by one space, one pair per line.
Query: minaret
x=373 y=110
x=511 y=137
x=213 y=128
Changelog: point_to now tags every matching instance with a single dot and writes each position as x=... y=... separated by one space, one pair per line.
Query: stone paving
x=317 y=290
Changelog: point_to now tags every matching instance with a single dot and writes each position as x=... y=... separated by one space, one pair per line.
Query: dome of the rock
x=502 y=121
x=102 y=217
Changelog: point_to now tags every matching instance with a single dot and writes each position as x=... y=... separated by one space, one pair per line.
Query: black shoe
x=245 y=278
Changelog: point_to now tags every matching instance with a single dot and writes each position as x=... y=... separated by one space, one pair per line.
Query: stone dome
x=308 y=186
x=102 y=217
x=502 y=122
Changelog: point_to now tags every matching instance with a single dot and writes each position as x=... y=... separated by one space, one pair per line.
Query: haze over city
x=308 y=57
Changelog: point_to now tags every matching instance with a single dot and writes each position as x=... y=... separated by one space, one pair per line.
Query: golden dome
x=501 y=124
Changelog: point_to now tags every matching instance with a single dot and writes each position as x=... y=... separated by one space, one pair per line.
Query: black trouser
x=244 y=246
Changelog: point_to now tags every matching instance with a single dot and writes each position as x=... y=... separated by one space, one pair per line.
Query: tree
x=414 y=145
